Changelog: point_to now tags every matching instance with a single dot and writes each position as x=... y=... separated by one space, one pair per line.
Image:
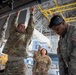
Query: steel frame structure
x=59 y=9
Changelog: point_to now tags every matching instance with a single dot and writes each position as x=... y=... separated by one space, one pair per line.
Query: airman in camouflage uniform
x=16 y=45
x=66 y=46
x=42 y=65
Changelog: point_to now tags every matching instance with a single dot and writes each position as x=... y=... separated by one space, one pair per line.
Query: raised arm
x=30 y=28
x=3 y=30
x=14 y=23
x=15 y=20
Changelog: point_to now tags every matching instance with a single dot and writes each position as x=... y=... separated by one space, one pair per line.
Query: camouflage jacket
x=67 y=52
x=17 y=42
x=42 y=63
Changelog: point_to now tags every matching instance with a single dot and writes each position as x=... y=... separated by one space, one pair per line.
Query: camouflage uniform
x=67 y=52
x=16 y=47
x=42 y=63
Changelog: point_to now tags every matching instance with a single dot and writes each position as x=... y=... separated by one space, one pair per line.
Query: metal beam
x=59 y=9
x=19 y=8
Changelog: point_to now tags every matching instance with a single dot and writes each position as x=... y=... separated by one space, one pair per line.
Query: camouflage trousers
x=41 y=73
x=17 y=67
